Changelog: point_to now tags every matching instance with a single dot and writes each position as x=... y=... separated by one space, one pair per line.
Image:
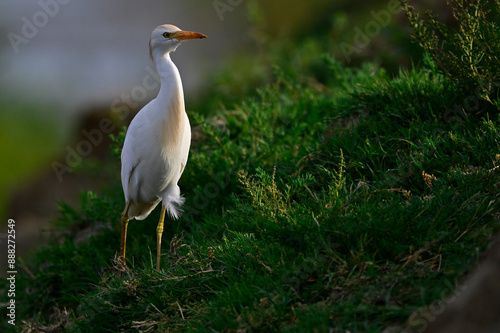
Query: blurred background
x=66 y=65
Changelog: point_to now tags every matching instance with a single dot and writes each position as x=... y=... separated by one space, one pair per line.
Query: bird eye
x=166 y=34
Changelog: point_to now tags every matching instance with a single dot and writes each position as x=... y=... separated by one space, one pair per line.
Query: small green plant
x=117 y=142
x=467 y=52
x=338 y=183
x=264 y=194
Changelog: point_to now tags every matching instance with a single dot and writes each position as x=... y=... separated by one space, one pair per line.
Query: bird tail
x=172 y=200
x=173 y=205
x=141 y=210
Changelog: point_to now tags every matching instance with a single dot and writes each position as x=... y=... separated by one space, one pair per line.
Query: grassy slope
x=336 y=198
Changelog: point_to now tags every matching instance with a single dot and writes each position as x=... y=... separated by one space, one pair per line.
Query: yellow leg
x=159 y=232
x=123 y=244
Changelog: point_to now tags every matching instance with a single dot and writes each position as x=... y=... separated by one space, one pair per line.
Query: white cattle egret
x=157 y=142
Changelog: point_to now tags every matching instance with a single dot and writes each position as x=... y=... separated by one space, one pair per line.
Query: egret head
x=165 y=38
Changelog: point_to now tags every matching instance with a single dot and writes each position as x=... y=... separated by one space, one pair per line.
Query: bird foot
x=174 y=243
x=120 y=265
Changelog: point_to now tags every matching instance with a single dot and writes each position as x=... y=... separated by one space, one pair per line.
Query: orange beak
x=183 y=35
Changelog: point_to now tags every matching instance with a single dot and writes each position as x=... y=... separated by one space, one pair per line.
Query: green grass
x=332 y=199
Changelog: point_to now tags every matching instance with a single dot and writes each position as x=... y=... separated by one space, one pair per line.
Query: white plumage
x=157 y=142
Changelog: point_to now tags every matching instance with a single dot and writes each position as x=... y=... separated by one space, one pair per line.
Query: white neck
x=171 y=82
x=170 y=99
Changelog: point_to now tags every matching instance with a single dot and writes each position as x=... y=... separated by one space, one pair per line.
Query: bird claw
x=120 y=265
x=175 y=242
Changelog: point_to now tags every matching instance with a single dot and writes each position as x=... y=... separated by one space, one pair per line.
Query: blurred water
x=85 y=53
